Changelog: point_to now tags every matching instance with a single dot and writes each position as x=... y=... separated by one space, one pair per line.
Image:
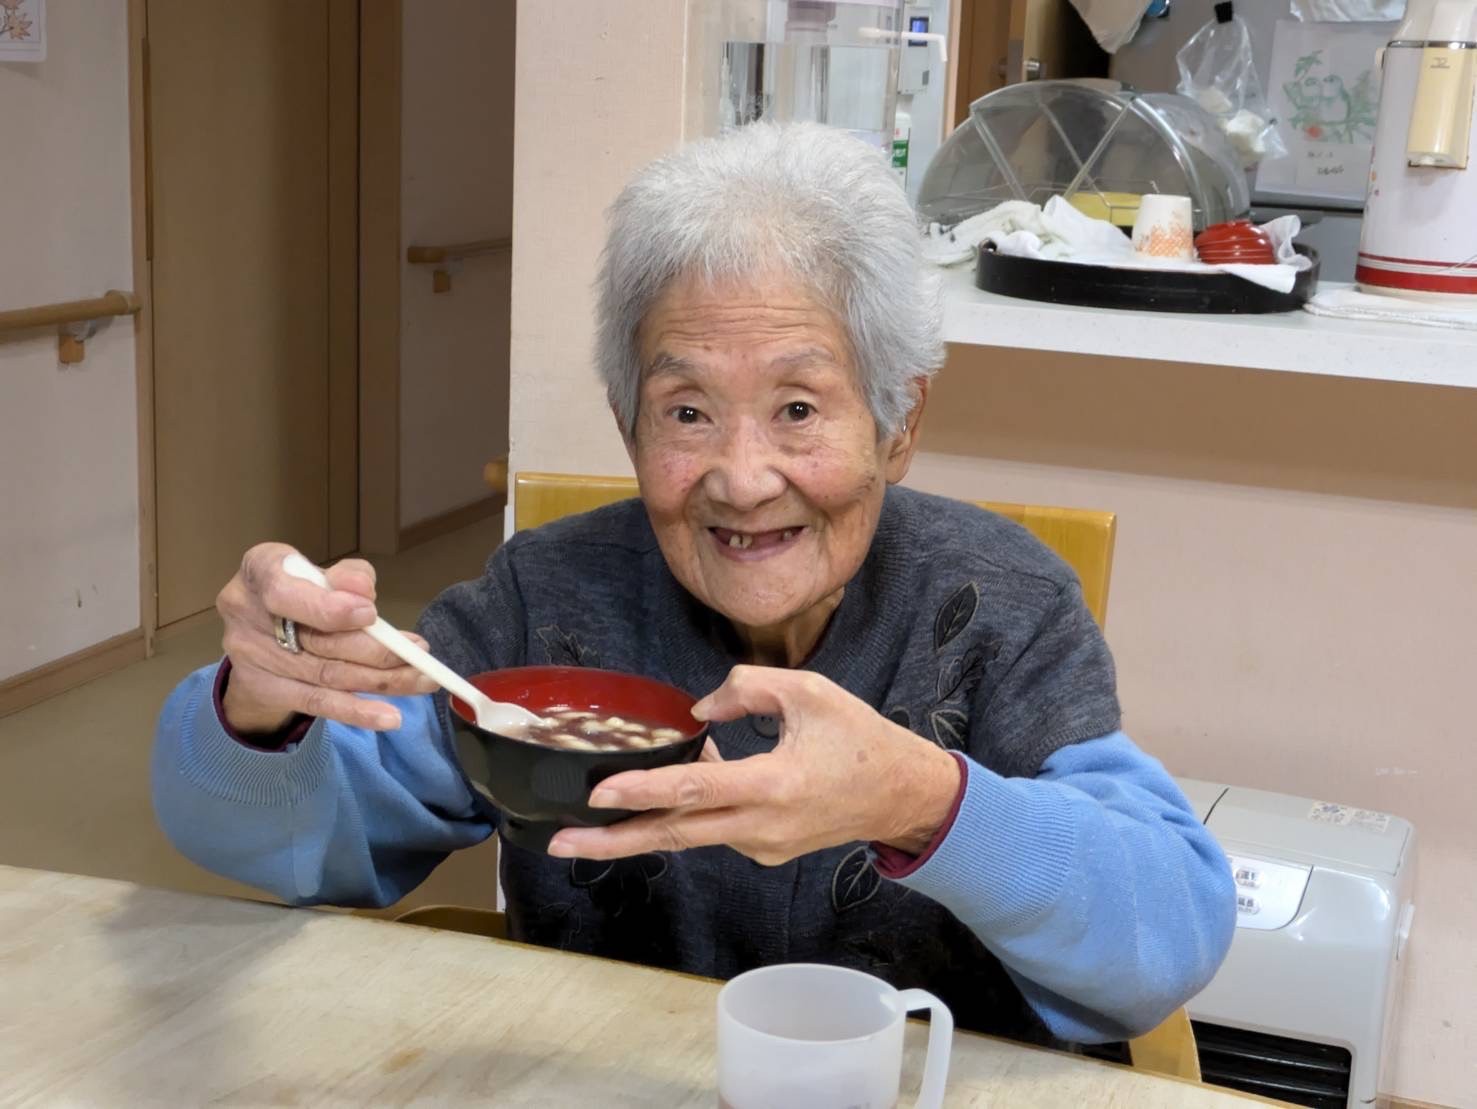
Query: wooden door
x=1002 y=42
x=252 y=184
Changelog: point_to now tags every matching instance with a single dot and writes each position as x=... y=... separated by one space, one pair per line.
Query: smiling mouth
x=754 y=540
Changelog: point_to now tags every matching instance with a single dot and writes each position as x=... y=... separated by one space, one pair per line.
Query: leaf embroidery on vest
x=900 y=717
x=955 y=615
x=564 y=648
x=950 y=727
x=633 y=876
x=561 y=915
x=855 y=882
x=960 y=677
x=876 y=953
x=586 y=872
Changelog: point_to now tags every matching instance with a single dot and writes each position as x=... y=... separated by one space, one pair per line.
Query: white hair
x=809 y=202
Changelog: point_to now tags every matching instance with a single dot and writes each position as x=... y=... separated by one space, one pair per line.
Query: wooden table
x=113 y=994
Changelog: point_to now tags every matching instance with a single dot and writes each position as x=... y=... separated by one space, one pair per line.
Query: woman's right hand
x=270 y=684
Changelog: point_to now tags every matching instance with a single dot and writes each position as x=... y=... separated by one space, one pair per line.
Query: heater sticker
x=1329 y=812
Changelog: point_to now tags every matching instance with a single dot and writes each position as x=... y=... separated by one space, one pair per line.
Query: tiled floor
x=74 y=771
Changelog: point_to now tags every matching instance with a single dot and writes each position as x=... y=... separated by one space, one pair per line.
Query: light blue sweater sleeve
x=345 y=817
x=1095 y=885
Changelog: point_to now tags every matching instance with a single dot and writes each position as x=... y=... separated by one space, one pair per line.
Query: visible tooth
x=737 y=540
x=789 y=534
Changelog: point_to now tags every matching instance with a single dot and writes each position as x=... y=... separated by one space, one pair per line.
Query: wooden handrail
x=451 y=252
x=495 y=474
x=112 y=303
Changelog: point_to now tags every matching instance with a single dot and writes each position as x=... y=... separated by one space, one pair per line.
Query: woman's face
x=758 y=457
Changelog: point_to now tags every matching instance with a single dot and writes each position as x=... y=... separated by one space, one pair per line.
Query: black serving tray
x=1141 y=290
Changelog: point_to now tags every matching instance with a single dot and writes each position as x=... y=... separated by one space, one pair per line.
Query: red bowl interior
x=627 y=695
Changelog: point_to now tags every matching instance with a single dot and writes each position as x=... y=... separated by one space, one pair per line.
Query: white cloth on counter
x=1356 y=305
x=1057 y=232
x=1060 y=233
x=1112 y=22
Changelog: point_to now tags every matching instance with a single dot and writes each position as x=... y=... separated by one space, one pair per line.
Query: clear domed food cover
x=1101 y=144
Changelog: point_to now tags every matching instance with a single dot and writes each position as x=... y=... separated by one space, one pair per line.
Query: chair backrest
x=1169 y=1049
x=1082 y=537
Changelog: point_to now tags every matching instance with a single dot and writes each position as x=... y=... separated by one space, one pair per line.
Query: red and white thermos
x=1420 y=215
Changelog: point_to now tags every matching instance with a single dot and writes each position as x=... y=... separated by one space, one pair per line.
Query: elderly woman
x=917 y=767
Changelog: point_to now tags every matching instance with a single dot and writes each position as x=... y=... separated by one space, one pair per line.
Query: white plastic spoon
x=493 y=716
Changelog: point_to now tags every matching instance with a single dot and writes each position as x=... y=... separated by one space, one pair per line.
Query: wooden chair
x=457 y=918
x=1168 y=1049
x=1082 y=537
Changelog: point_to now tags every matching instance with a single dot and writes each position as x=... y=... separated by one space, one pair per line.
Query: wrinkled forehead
x=799 y=365
x=771 y=319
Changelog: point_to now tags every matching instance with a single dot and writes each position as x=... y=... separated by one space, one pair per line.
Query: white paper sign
x=1324 y=91
x=22 y=30
x=1348 y=11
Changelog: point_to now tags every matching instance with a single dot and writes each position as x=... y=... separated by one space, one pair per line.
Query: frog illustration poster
x=1324 y=88
x=22 y=30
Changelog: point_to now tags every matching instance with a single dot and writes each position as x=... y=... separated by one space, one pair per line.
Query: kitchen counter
x=1294 y=342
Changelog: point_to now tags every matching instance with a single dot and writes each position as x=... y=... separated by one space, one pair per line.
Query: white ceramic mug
x=1165 y=227
x=808 y=1036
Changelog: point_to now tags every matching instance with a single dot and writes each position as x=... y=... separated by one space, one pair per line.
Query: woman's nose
x=744 y=473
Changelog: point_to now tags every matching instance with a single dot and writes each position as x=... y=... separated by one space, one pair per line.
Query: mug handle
x=940 y=1044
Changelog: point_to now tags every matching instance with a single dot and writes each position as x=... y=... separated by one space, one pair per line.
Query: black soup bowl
x=537 y=789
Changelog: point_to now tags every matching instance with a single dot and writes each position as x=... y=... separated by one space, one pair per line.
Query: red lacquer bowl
x=1235 y=241
x=537 y=790
x=1238 y=242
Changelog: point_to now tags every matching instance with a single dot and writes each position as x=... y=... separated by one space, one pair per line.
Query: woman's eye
x=798 y=411
x=686 y=414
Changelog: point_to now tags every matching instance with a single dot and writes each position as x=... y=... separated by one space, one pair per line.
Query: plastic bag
x=1217 y=71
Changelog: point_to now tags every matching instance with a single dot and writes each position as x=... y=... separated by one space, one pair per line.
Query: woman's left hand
x=841 y=772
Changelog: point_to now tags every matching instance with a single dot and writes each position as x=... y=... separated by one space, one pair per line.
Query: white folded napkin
x=959 y=243
x=1060 y=233
x=1356 y=305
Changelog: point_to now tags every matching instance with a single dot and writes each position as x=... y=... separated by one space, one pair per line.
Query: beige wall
x=1294 y=593
x=598 y=96
x=456 y=186
x=1293 y=599
x=69 y=513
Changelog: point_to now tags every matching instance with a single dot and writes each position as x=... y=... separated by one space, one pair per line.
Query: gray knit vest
x=960 y=626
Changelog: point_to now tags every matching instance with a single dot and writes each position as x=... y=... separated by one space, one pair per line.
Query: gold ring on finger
x=286 y=632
